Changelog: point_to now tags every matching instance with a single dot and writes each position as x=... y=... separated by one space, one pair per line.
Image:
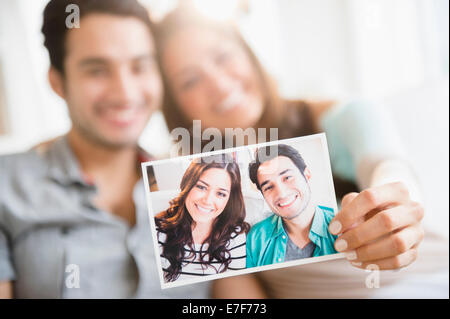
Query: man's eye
x=97 y=72
x=142 y=67
x=265 y=189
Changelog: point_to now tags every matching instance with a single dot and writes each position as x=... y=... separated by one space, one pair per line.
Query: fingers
x=379 y=225
x=389 y=263
x=390 y=246
x=348 y=198
x=367 y=201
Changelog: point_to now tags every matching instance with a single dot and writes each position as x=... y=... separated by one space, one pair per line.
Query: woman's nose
x=208 y=198
x=220 y=83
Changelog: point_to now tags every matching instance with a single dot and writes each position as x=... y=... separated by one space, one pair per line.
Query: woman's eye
x=287 y=178
x=189 y=83
x=223 y=57
x=201 y=187
x=221 y=194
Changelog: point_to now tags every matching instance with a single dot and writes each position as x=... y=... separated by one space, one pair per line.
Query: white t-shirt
x=191 y=266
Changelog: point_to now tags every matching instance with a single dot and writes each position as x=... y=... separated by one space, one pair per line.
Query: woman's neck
x=200 y=232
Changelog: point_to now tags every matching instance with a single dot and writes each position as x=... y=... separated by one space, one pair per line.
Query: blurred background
x=394 y=52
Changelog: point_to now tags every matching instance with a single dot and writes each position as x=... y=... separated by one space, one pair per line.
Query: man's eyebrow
x=282 y=173
x=92 y=61
x=285 y=171
x=98 y=60
x=151 y=56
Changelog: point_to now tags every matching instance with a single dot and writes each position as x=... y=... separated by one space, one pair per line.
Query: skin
x=111 y=86
x=395 y=236
x=288 y=194
x=207 y=200
x=212 y=79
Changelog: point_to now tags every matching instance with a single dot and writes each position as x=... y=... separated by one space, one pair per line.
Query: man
x=73 y=218
x=298 y=228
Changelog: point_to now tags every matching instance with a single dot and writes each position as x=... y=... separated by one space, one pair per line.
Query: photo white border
x=284 y=264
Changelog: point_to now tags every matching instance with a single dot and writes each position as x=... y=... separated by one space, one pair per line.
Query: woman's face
x=209 y=196
x=212 y=79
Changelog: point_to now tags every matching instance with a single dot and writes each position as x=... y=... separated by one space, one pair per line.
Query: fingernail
x=351 y=255
x=356 y=263
x=335 y=227
x=341 y=244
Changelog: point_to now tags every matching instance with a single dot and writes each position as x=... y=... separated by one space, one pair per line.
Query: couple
x=204 y=230
x=80 y=199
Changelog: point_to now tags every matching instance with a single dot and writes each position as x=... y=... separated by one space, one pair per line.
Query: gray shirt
x=52 y=237
x=293 y=252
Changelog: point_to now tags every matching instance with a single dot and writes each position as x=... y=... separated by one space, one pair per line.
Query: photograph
x=241 y=210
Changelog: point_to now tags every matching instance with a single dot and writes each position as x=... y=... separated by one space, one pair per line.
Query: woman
x=211 y=75
x=203 y=231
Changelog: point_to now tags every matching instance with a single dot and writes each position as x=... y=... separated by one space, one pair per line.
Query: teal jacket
x=266 y=241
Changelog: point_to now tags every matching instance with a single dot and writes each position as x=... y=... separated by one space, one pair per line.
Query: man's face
x=111 y=83
x=283 y=186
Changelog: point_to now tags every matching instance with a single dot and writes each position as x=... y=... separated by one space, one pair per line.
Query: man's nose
x=281 y=190
x=123 y=88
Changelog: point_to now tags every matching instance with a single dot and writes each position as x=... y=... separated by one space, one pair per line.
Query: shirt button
x=279 y=260
x=284 y=237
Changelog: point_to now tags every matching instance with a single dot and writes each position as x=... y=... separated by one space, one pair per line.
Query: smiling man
x=298 y=227
x=73 y=219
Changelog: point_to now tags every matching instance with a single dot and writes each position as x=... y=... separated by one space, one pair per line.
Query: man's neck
x=113 y=171
x=99 y=162
x=299 y=227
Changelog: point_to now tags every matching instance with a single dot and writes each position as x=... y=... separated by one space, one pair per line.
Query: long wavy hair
x=176 y=222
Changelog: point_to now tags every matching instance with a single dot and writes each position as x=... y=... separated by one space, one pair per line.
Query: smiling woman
x=203 y=231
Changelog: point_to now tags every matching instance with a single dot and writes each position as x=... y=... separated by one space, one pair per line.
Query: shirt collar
x=64 y=166
x=318 y=226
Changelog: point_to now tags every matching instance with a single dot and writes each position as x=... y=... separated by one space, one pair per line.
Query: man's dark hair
x=54 y=26
x=268 y=153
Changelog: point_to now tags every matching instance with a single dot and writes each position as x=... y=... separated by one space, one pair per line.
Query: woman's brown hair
x=176 y=222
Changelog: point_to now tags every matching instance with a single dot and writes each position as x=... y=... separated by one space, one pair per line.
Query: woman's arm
x=238 y=287
x=381 y=225
x=6 y=291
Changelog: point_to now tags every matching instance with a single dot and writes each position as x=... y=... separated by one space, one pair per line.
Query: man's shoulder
x=263 y=227
x=328 y=212
x=15 y=161
x=21 y=166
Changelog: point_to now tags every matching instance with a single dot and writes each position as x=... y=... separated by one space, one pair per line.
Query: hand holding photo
x=241 y=210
